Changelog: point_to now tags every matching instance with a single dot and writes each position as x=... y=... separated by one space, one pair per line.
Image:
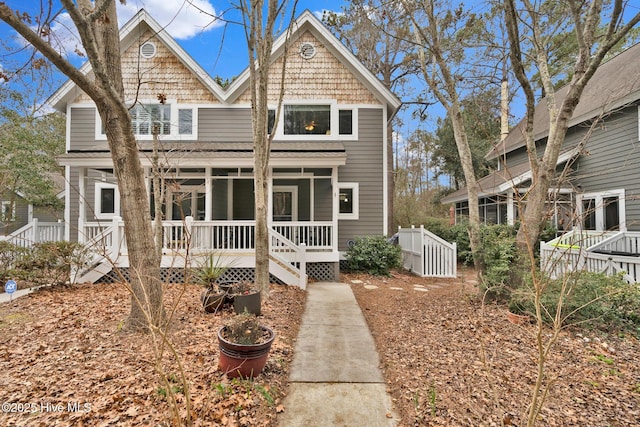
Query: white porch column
x=510 y=209
x=269 y=197
x=208 y=195
x=82 y=209
x=336 y=207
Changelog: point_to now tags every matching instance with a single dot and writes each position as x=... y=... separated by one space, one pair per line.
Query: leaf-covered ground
x=66 y=360
x=449 y=362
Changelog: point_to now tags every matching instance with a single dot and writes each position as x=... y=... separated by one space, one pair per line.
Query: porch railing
x=609 y=253
x=426 y=254
x=36 y=232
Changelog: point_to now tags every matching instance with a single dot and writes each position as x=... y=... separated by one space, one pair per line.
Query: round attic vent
x=307 y=50
x=148 y=50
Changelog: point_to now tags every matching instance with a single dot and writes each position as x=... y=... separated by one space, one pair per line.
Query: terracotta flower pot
x=244 y=360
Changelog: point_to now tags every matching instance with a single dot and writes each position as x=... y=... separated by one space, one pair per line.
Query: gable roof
x=501 y=181
x=614 y=84
x=308 y=22
x=305 y=22
x=129 y=34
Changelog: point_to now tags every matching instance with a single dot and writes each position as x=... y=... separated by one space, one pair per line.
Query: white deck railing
x=36 y=232
x=609 y=253
x=426 y=254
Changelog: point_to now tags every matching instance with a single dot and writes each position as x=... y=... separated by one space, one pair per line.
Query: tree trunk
x=144 y=264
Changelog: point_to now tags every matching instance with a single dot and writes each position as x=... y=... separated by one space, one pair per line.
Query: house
x=595 y=200
x=328 y=173
x=599 y=183
x=23 y=223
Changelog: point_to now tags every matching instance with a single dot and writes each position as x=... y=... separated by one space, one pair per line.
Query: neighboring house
x=328 y=159
x=598 y=187
x=18 y=215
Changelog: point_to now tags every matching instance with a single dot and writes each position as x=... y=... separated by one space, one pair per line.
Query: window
x=602 y=211
x=345 y=122
x=185 y=121
x=107 y=200
x=8 y=211
x=145 y=117
x=307 y=120
x=172 y=121
x=348 y=201
x=271 y=121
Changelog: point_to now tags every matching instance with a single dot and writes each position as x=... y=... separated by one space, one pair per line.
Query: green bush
x=10 y=256
x=373 y=255
x=500 y=257
x=458 y=233
x=594 y=299
x=50 y=263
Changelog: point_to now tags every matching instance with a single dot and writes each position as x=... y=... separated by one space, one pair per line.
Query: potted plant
x=208 y=273
x=244 y=346
x=246 y=298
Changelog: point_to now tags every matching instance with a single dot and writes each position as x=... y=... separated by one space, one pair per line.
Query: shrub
x=373 y=255
x=499 y=255
x=51 y=262
x=10 y=255
x=603 y=302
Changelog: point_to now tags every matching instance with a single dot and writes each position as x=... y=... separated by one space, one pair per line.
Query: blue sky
x=220 y=49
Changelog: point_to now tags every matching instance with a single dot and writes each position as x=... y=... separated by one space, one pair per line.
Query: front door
x=285 y=203
x=188 y=202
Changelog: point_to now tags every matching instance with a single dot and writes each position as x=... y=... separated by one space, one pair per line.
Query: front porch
x=297 y=249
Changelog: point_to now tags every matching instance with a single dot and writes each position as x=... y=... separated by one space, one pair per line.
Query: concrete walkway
x=335 y=377
x=5 y=297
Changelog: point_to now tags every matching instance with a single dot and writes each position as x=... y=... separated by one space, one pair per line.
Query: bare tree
x=530 y=27
x=97 y=26
x=440 y=52
x=260 y=20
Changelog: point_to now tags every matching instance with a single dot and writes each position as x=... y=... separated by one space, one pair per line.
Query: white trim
x=385 y=175
x=99 y=186
x=638 y=122
x=175 y=123
x=152 y=54
x=355 y=187
x=8 y=204
x=67 y=200
x=293 y=189
x=599 y=207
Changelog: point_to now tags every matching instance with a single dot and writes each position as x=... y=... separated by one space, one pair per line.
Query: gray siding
x=74 y=204
x=83 y=130
x=611 y=161
x=224 y=125
x=365 y=166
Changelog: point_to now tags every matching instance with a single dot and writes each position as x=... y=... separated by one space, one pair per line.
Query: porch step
x=287 y=273
x=95 y=273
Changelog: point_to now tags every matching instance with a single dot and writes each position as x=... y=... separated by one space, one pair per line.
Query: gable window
x=307 y=120
x=145 y=117
x=107 y=200
x=602 y=211
x=348 y=203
